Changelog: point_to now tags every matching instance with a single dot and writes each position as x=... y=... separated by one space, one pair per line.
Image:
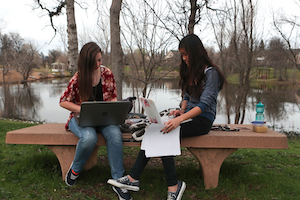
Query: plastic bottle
x=260 y=112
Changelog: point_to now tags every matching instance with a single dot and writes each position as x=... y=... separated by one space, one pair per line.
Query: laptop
x=151 y=110
x=152 y=113
x=102 y=113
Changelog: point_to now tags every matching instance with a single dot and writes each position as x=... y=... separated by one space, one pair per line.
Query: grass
x=293 y=75
x=33 y=172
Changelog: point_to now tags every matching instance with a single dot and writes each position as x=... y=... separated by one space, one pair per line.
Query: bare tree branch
x=56 y=12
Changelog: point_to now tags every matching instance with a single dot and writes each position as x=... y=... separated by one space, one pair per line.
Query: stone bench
x=210 y=150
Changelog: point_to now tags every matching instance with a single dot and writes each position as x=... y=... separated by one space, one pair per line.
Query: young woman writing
x=200 y=81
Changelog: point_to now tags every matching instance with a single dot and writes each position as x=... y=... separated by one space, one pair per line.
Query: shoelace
x=123 y=179
x=171 y=196
x=73 y=176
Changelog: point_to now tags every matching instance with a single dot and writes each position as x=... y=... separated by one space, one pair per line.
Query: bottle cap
x=259 y=105
x=258 y=122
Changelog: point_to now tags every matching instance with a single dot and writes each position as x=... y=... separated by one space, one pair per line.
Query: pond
x=39 y=101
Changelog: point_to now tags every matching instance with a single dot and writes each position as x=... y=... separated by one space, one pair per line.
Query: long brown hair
x=192 y=76
x=85 y=65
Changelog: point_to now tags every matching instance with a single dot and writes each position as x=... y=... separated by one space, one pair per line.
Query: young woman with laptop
x=200 y=81
x=93 y=82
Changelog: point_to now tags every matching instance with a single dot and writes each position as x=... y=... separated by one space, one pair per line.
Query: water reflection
x=39 y=101
x=19 y=102
x=164 y=92
x=281 y=104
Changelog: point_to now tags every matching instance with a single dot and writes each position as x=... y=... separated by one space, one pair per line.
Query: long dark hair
x=192 y=76
x=85 y=65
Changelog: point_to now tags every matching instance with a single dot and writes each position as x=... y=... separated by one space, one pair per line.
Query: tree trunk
x=116 y=48
x=192 y=18
x=72 y=37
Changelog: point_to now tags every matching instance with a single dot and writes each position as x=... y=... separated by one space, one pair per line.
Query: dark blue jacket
x=208 y=99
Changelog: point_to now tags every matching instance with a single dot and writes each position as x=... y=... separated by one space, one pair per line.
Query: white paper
x=157 y=144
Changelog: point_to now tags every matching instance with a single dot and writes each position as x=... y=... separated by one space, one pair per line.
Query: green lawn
x=292 y=74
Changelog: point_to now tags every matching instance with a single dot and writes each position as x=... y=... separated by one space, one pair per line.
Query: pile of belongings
x=137 y=124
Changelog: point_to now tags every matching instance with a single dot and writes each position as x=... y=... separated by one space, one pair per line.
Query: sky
x=18 y=16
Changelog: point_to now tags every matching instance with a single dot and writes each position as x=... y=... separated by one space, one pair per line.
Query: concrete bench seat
x=211 y=150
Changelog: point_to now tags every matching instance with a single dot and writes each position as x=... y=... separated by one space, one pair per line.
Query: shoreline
x=14 y=77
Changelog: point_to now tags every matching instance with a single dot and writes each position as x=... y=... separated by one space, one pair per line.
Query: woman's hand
x=171 y=125
x=176 y=112
x=114 y=99
x=174 y=123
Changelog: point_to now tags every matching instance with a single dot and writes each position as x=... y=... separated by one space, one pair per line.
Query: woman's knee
x=89 y=137
x=112 y=133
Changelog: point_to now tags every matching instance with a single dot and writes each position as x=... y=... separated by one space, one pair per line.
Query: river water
x=39 y=101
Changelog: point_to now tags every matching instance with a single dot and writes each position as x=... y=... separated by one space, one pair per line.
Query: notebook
x=152 y=113
x=102 y=113
x=154 y=142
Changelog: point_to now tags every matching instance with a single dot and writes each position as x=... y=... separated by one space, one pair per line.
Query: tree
x=102 y=33
x=261 y=46
x=53 y=55
x=277 y=58
x=19 y=54
x=235 y=33
x=71 y=28
x=288 y=28
x=145 y=42
x=182 y=16
x=243 y=43
x=6 y=45
x=218 y=21
x=72 y=36
x=27 y=60
x=116 y=48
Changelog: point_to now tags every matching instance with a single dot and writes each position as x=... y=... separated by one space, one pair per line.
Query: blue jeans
x=88 y=140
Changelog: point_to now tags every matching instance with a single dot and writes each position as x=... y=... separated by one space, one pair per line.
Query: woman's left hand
x=171 y=125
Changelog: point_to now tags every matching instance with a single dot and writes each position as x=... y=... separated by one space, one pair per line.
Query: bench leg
x=66 y=154
x=211 y=161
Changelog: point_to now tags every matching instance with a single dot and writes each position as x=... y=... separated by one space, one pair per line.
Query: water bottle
x=260 y=112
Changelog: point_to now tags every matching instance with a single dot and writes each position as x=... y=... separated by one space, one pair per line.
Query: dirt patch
x=11 y=76
x=15 y=77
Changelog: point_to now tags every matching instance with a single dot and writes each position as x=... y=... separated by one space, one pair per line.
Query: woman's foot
x=71 y=176
x=123 y=194
x=126 y=182
x=178 y=193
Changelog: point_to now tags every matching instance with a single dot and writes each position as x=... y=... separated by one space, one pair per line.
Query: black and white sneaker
x=123 y=194
x=71 y=177
x=125 y=183
x=178 y=194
